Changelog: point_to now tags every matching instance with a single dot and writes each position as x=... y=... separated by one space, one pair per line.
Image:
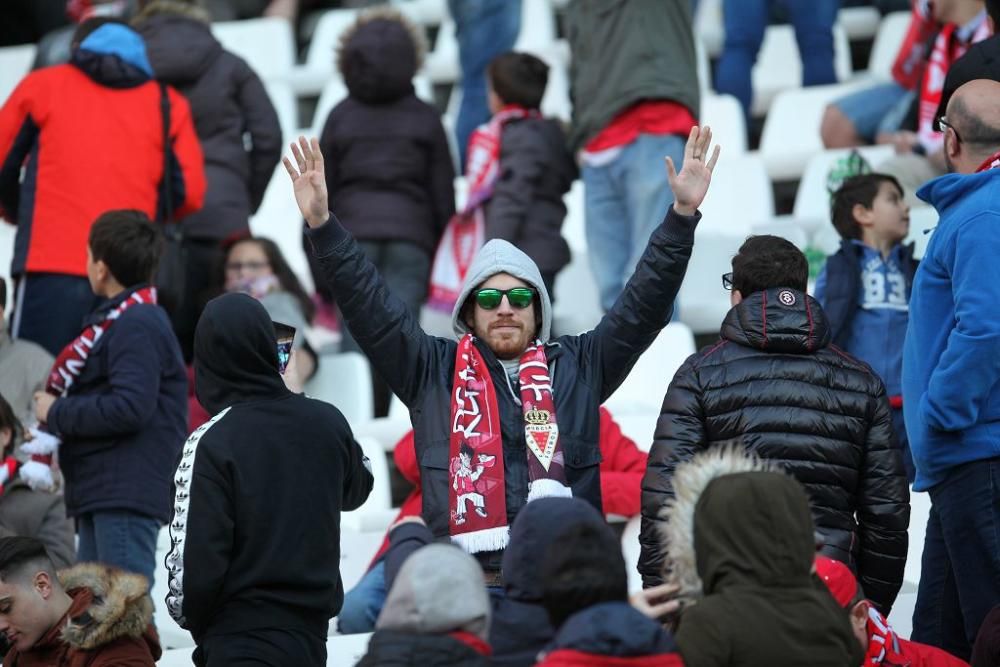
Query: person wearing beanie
x=526 y=404
x=437 y=613
x=585 y=592
x=881 y=644
x=740 y=548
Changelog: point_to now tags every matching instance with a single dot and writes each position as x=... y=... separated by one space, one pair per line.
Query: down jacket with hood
x=388 y=167
x=741 y=548
x=775 y=382
x=109 y=622
x=584 y=369
x=437 y=612
x=255 y=534
x=228 y=103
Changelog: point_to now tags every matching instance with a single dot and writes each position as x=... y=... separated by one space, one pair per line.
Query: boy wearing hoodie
x=865 y=286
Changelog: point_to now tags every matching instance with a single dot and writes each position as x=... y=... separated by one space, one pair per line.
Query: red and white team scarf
x=466 y=231
x=948 y=48
x=477 y=492
x=883 y=644
x=992 y=162
x=70 y=362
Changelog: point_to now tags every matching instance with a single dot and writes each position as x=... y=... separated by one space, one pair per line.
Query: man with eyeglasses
x=951 y=375
x=505 y=414
x=774 y=383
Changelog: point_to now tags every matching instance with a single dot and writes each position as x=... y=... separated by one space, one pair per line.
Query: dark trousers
x=406 y=269
x=960 y=568
x=203 y=277
x=49 y=309
x=260 y=648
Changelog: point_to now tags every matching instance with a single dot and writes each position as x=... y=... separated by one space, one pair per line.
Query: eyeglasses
x=942 y=121
x=236 y=267
x=518 y=297
x=727 y=281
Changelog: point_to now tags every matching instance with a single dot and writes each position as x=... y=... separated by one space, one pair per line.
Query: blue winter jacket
x=951 y=356
x=124 y=420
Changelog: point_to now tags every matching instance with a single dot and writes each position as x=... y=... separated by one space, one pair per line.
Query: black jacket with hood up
x=255 y=538
x=584 y=369
x=388 y=167
x=228 y=103
x=741 y=544
x=774 y=381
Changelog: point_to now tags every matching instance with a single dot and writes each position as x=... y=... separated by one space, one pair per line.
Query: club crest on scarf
x=477 y=489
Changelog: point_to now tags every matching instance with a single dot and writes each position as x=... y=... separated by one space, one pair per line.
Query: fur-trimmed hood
x=754 y=527
x=120 y=606
x=379 y=54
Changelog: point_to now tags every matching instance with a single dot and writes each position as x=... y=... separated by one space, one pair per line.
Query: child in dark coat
x=865 y=286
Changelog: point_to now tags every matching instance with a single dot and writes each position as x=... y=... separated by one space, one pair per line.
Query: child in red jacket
x=882 y=645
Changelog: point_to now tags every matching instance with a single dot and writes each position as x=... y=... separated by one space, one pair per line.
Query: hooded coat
x=257 y=559
x=437 y=613
x=228 y=103
x=108 y=623
x=741 y=544
x=75 y=129
x=775 y=383
x=584 y=369
x=388 y=166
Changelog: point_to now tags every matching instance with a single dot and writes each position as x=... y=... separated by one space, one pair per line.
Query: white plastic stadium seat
x=891 y=33
x=334 y=92
x=267 y=44
x=287 y=107
x=345 y=381
x=630 y=550
x=278 y=219
x=724 y=115
x=779 y=67
x=578 y=304
x=538 y=26
x=791 y=131
x=15 y=62
x=642 y=391
x=740 y=196
x=708 y=26
x=574 y=228
x=375 y=512
x=859 y=22
x=7 y=232
x=441 y=64
x=319 y=66
x=346 y=649
x=923 y=220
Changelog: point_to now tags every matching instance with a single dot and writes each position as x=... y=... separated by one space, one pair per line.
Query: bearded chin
x=507 y=348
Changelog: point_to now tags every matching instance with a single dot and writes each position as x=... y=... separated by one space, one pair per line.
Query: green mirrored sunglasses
x=518 y=297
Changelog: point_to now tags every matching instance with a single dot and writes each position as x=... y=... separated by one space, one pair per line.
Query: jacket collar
x=778 y=320
x=114 y=56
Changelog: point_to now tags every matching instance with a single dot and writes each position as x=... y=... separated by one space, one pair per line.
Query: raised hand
x=691 y=184
x=309 y=181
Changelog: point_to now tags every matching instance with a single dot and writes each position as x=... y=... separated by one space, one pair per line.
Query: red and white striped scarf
x=70 y=362
x=482 y=161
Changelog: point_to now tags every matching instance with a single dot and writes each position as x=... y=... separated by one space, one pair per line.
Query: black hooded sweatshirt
x=255 y=538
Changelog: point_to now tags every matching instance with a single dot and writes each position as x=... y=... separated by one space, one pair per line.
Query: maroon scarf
x=477 y=493
x=70 y=362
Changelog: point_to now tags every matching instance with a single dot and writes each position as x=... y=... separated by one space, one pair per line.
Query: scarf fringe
x=488 y=539
x=545 y=487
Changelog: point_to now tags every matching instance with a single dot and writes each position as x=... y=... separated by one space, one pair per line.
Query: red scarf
x=8 y=468
x=947 y=49
x=477 y=493
x=70 y=362
x=992 y=162
x=482 y=161
x=883 y=644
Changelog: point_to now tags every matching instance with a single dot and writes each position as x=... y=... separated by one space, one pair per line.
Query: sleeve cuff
x=680 y=227
x=327 y=237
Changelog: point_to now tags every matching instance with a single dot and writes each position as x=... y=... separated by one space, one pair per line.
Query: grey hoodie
x=439 y=589
x=499 y=256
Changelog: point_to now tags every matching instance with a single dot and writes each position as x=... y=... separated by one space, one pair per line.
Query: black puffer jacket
x=774 y=381
x=388 y=168
x=227 y=101
x=584 y=369
x=389 y=648
x=527 y=209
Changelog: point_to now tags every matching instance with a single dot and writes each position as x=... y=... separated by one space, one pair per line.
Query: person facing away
x=117 y=399
x=437 y=613
x=774 y=382
x=740 y=545
x=865 y=286
x=585 y=592
x=25 y=511
x=533 y=165
x=951 y=369
x=255 y=537
x=881 y=644
x=238 y=129
x=90 y=135
x=526 y=405
x=90 y=615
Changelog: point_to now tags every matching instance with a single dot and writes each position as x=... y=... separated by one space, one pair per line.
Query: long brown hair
x=282 y=271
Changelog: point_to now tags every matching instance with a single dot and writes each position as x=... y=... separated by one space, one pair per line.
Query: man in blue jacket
x=951 y=378
x=117 y=398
